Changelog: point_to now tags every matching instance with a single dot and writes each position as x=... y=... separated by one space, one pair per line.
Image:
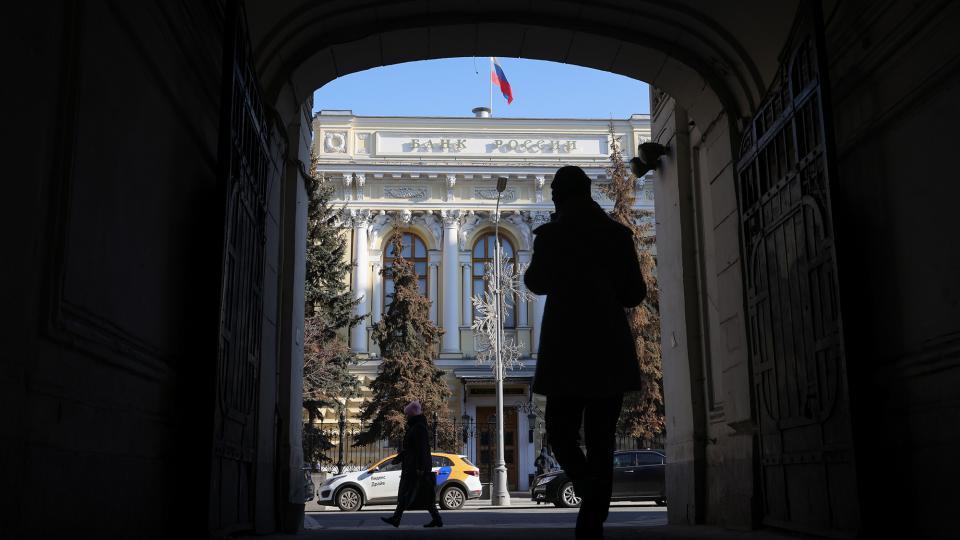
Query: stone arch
x=417 y=230
x=430 y=239
x=707 y=57
x=421 y=231
x=506 y=230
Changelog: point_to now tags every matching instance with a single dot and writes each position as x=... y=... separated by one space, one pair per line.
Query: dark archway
x=707 y=87
x=117 y=231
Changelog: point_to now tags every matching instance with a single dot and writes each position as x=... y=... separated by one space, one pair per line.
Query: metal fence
x=625 y=442
x=333 y=451
x=337 y=452
x=476 y=440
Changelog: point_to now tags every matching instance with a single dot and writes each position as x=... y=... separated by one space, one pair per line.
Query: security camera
x=648 y=158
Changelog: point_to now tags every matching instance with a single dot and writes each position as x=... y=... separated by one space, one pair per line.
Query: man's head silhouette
x=570 y=187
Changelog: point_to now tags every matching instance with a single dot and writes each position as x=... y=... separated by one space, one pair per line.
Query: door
x=649 y=474
x=245 y=165
x=487 y=444
x=806 y=464
x=442 y=468
x=385 y=481
x=624 y=474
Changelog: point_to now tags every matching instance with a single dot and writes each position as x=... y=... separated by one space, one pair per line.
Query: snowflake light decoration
x=489 y=320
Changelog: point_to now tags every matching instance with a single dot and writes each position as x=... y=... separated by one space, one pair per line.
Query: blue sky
x=453 y=86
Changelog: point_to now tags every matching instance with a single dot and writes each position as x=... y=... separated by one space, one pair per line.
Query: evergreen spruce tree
x=407 y=340
x=642 y=415
x=330 y=307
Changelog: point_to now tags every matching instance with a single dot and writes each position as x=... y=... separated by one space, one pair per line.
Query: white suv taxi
x=458 y=480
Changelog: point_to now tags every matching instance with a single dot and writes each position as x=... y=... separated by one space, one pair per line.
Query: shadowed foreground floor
x=522 y=520
x=662 y=532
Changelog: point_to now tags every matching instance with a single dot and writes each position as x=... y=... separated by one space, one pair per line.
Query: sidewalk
x=518 y=499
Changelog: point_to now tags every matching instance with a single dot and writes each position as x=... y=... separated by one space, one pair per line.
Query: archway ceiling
x=682 y=46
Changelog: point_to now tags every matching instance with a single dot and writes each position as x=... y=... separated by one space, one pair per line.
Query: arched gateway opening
x=707 y=85
x=154 y=363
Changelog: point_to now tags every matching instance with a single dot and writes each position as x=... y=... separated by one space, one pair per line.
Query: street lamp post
x=500 y=495
x=492 y=345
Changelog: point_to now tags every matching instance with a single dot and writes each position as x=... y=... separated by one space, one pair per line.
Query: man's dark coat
x=417 y=491
x=586 y=264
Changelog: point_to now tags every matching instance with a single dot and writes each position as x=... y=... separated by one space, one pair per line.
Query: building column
x=361 y=179
x=451 y=305
x=361 y=278
x=433 y=266
x=522 y=313
x=538 y=303
x=523 y=257
x=376 y=309
x=467 y=273
x=347 y=189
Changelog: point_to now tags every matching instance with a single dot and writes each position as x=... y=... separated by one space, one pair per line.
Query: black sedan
x=637 y=476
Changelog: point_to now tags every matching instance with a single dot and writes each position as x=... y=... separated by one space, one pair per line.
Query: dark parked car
x=637 y=476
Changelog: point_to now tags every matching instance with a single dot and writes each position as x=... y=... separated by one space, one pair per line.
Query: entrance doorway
x=487 y=444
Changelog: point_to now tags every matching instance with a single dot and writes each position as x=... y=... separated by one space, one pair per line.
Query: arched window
x=483 y=252
x=414 y=250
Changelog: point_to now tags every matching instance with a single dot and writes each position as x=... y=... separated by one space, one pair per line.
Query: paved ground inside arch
x=522 y=520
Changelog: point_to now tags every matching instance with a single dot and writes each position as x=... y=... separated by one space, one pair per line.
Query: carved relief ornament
x=335 y=142
x=413 y=194
x=509 y=195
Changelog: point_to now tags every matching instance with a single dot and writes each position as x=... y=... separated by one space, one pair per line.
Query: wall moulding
x=932 y=357
x=65 y=321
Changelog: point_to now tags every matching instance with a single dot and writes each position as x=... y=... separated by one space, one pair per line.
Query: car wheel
x=660 y=502
x=452 y=498
x=349 y=499
x=567 y=497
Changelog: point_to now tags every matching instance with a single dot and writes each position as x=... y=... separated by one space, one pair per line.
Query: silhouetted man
x=587 y=266
x=418 y=486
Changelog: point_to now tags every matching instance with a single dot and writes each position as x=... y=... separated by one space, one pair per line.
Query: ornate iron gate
x=244 y=160
x=794 y=321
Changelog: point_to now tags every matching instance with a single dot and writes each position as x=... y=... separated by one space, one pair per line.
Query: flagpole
x=490 y=82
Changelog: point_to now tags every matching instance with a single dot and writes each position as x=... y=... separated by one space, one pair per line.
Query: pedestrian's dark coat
x=417 y=491
x=586 y=264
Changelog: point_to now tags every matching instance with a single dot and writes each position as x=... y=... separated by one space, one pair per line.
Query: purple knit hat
x=412 y=409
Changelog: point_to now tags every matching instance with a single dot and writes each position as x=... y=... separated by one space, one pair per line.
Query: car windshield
x=380 y=464
x=466 y=460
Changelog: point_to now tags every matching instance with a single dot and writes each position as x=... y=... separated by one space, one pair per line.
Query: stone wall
x=112 y=289
x=895 y=79
x=706 y=373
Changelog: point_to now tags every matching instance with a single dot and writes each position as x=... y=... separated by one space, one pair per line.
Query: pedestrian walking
x=587 y=266
x=418 y=485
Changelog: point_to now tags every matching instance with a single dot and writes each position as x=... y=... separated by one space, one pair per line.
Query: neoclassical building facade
x=433 y=180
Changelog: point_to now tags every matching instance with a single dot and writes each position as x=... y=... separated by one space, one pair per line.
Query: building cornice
x=377 y=169
x=486 y=123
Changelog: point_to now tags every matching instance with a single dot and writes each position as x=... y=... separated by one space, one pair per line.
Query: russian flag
x=499 y=79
